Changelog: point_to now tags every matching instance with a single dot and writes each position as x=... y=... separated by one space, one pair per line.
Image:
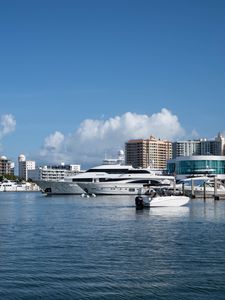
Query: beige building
x=148 y=153
x=6 y=166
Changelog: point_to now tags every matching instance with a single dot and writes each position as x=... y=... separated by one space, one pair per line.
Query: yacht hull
x=59 y=188
x=112 y=188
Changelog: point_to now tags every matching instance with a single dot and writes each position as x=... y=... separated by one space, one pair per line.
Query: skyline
x=77 y=79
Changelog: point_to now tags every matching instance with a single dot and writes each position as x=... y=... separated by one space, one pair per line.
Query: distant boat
x=201 y=185
x=14 y=186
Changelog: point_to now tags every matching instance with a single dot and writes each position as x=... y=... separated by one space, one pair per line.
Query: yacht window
x=111 y=179
x=109 y=171
x=138 y=172
x=143 y=181
x=82 y=179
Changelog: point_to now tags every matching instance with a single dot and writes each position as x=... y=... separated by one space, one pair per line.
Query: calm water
x=67 y=247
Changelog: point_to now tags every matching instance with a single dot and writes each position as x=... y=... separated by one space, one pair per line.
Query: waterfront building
x=199 y=147
x=6 y=166
x=152 y=152
x=186 y=148
x=54 y=172
x=24 y=166
x=197 y=165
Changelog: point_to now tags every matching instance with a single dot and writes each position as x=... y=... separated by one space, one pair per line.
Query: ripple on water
x=102 y=248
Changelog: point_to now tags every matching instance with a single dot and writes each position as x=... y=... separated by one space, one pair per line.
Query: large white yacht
x=69 y=185
x=131 y=182
x=110 y=178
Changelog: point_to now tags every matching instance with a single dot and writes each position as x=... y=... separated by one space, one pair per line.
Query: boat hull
x=169 y=201
x=118 y=188
x=161 y=201
x=59 y=188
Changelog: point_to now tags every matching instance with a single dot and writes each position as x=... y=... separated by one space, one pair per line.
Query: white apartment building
x=200 y=147
x=24 y=166
x=53 y=173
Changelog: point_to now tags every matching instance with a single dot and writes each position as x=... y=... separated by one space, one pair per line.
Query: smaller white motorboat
x=154 y=200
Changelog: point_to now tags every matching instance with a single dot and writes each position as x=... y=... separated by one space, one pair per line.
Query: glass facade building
x=197 y=165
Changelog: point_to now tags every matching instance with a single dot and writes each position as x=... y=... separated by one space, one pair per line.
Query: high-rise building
x=199 y=147
x=6 y=166
x=186 y=148
x=24 y=166
x=143 y=153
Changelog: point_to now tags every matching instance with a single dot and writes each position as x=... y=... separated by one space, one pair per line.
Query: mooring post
x=174 y=186
x=204 y=190
x=192 y=189
x=183 y=188
x=215 y=189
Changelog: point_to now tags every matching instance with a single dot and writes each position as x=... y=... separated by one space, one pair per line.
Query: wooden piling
x=216 y=197
x=174 y=187
x=183 y=188
x=192 y=189
x=204 y=190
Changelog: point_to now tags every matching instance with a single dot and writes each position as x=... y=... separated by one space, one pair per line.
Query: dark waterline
x=68 y=247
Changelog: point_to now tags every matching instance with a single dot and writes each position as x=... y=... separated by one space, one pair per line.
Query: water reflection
x=170 y=211
x=209 y=209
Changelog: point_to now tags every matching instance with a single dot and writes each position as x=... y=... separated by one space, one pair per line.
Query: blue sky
x=63 y=62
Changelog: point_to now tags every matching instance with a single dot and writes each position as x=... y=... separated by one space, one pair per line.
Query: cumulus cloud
x=7 y=124
x=131 y=125
x=96 y=138
x=54 y=147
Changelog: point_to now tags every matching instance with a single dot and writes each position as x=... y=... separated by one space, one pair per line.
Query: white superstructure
x=120 y=181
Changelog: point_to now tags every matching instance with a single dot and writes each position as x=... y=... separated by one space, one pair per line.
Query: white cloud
x=96 y=138
x=54 y=147
x=194 y=134
x=7 y=125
